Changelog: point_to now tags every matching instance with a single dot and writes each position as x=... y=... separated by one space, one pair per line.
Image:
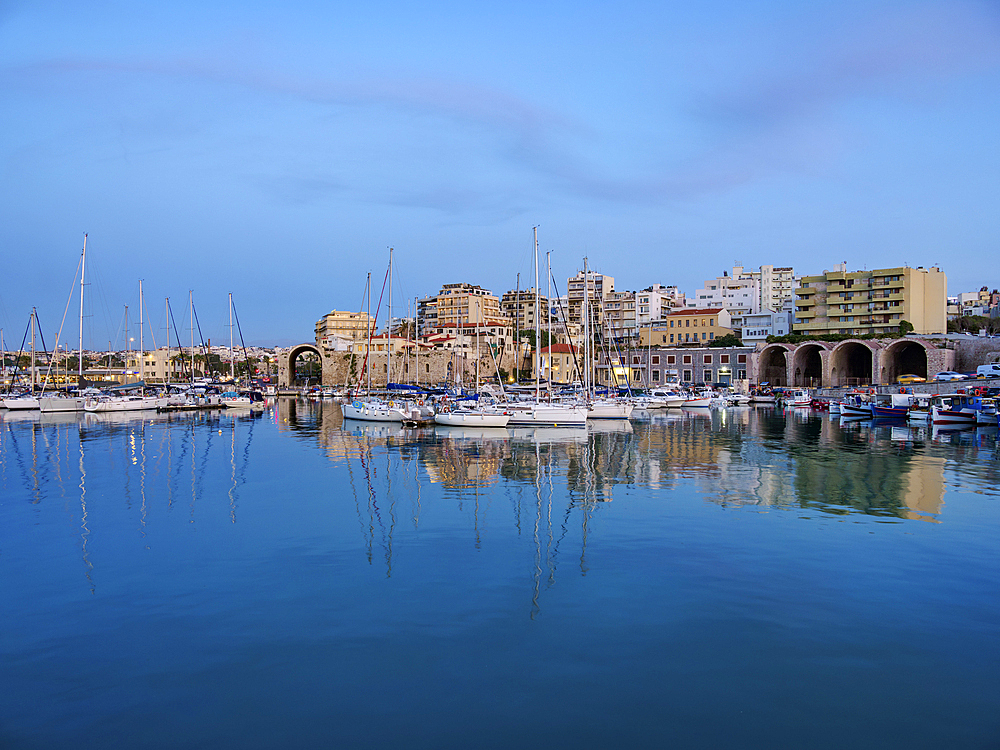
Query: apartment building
x=519 y=307
x=619 y=315
x=458 y=305
x=597 y=287
x=338 y=327
x=871 y=302
x=655 y=301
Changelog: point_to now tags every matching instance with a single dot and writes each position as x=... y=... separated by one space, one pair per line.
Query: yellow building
x=687 y=326
x=872 y=302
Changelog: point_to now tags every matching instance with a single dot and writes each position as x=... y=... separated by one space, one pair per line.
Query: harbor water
x=739 y=578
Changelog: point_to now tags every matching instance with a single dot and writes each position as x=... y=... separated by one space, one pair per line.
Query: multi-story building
x=871 y=302
x=519 y=307
x=687 y=326
x=620 y=316
x=739 y=296
x=339 y=326
x=758 y=326
x=655 y=301
x=458 y=305
x=597 y=286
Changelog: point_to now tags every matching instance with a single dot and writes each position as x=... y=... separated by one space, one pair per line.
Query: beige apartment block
x=344 y=325
x=459 y=305
x=857 y=303
x=519 y=307
x=597 y=287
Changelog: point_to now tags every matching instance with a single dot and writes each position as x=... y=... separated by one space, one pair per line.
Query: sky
x=276 y=150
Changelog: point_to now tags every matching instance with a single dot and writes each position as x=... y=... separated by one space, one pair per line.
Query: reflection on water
x=281 y=569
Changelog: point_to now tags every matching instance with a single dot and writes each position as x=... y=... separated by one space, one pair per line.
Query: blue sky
x=276 y=152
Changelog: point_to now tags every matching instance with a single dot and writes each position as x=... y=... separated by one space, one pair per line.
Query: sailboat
x=65 y=402
x=537 y=412
x=26 y=401
x=102 y=404
x=603 y=408
x=369 y=408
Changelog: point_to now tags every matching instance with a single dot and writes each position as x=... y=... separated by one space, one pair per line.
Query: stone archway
x=772 y=364
x=808 y=362
x=852 y=362
x=286 y=366
x=905 y=357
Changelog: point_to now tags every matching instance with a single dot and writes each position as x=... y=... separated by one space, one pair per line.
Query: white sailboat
x=536 y=412
x=368 y=408
x=65 y=402
x=26 y=401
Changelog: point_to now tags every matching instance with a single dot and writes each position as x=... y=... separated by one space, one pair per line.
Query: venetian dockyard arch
x=853 y=362
x=772 y=364
x=809 y=364
x=286 y=363
x=907 y=357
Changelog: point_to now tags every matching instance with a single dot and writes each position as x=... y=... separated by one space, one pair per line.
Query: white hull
x=698 y=403
x=547 y=414
x=471 y=419
x=986 y=418
x=128 y=403
x=835 y=407
x=61 y=403
x=20 y=404
x=372 y=411
x=609 y=410
x=940 y=416
x=849 y=410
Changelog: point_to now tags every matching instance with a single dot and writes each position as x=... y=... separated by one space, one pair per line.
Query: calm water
x=745 y=579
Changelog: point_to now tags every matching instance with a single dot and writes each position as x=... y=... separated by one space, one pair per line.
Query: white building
x=758 y=326
x=656 y=301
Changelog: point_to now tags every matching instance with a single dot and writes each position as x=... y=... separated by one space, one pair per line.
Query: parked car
x=910 y=379
x=949 y=375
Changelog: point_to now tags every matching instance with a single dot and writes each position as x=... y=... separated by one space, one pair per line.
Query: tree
x=905 y=327
x=730 y=339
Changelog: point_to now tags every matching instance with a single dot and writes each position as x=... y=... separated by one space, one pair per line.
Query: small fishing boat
x=892 y=405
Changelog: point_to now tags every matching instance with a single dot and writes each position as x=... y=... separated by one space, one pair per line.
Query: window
x=741 y=359
x=656 y=359
x=724 y=359
x=711 y=335
x=636 y=375
x=703 y=321
x=687 y=359
x=711 y=321
x=664 y=337
x=687 y=376
x=671 y=324
x=707 y=359
x=741 y=374
x=706 y=376
x=703 y=335
x=427 y=368
x=635 y=360
x=671 y=359
x=656 y=376
x=688 y=323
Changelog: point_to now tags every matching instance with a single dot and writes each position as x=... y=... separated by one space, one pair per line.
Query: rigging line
x=20 y=353
x=72 y=290
x=180 y=349
x=208 y=357
x=246 y=356
x=565 y=319
x=373 y=323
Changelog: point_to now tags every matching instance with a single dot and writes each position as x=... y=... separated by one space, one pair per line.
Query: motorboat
x=799 y=398
x=856 y=405
x=952 y=410
x=892 y=405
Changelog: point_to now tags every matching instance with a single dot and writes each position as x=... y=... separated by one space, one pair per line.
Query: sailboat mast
x=232 y=369
x=142 y=349
x=368 y=350
x=170 y=364
x=586 y=328
x=416 y=342
x=128 y=347
x=33 y=319
x=548 y=316
x=388 y=354
x=517 y=329
x=537 y=322
x=83 y=270
x=191 y=314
